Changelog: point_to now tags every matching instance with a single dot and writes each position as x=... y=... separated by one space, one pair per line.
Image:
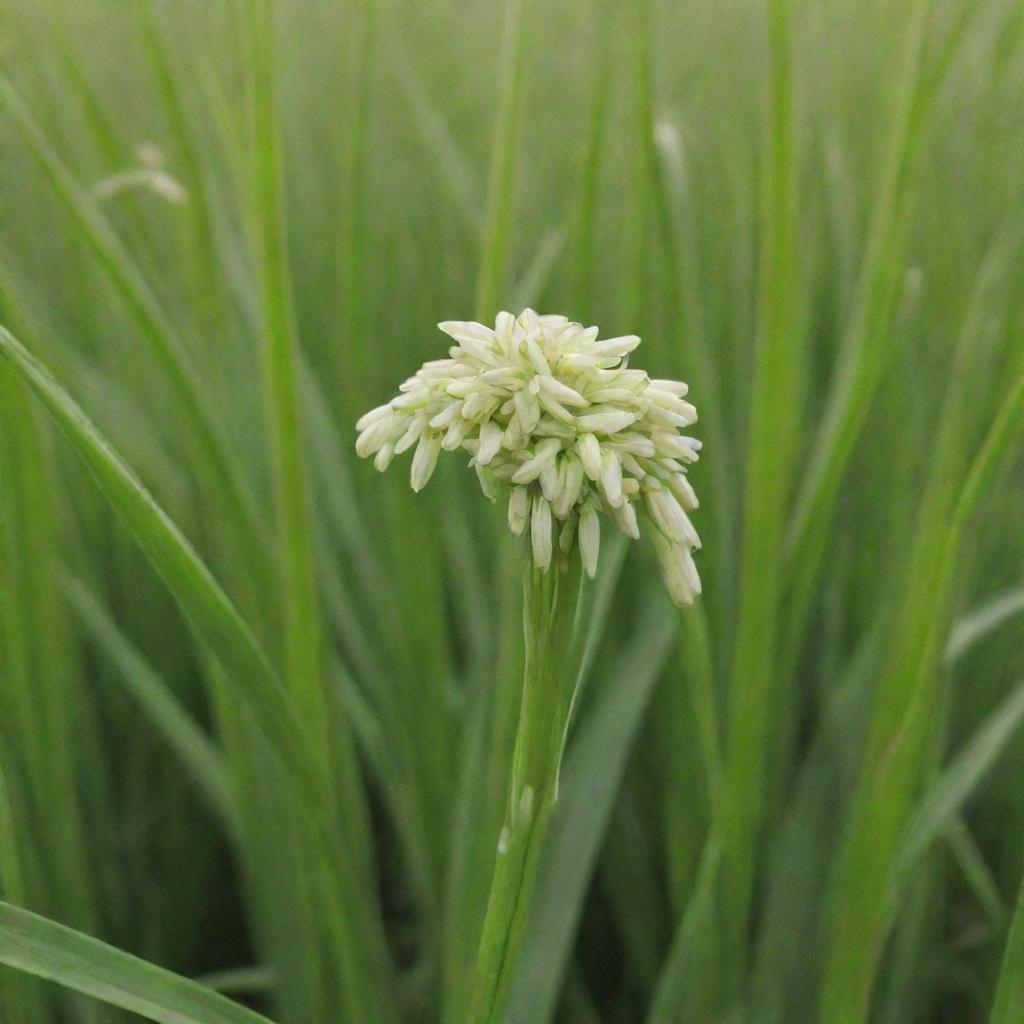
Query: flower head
x=555 y=420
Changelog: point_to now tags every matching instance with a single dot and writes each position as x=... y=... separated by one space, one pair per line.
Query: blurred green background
x=228 y=229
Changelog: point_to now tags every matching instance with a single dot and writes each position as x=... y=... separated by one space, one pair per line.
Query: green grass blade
x=973 y=627
x=195 y=751
x=939 y=806
x=199 y=594
x=860 y=913
x=48 y=950
x=43 y=708
x=255 y=683
x=774 y=417
x=1009 y=996
x=864 y=349
x=280 y=372
x=93 y=228
x=501 y=180
x=20 y=998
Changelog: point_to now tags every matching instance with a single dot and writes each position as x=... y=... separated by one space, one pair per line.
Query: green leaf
x=938 y=809
x=48 y=950
x=198 y=755
x=971 y=628
x=1010 y=989
x=200 y=595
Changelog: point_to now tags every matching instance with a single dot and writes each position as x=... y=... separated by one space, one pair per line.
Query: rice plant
x=283 y=739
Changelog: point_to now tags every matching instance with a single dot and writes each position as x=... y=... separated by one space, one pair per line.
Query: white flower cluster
x=557 y=418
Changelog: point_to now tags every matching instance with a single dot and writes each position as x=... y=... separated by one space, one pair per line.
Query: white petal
x=551 y=479
x=589 y=449
x=373 y=437
x=683 y=490
x=567 y=535
x=540 y=533
x=411 y=435
x=673 y=387
x=625 y=516
x=565 y=394
x=571 y=483
x=554 y=407
x=514 y=439
x=456 y=434
x=611 y=478
x=613 y=348
x=536 y=357
x=373 y=416
x=468 y=331
x=504 y=324
x=447 y=416
x=424 y=461
x=608 y=422
x=486 y=479
x=529 y=321
x=490 y=442
x=479 y=405
x=543 y=454
x=675 y=446
x=528 y=408
x=518 y=509
x=383 y=458
x=669 y=517
x=678 y=570
x=590 y=540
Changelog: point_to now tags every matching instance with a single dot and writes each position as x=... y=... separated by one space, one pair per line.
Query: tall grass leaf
x=939 y=806
x=1009 y=996
x=43 y=708
x=96 y=232
x=860 y=912
x=302 y=639
x=502 y=177
x=973 y=627
x=195 y=751
x=206 y=278
x=199 y=594
x=774 y=417
x=530 y=286
x=280 y=374
x=865 y=348
x=255 y=683
x=20 y=998
x=48 y=950
x=428 y=119
x=976 y=872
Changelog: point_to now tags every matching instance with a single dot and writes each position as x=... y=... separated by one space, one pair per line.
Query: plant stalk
x=549 y=681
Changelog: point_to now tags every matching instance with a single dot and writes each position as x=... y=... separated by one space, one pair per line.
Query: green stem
x=549 y=609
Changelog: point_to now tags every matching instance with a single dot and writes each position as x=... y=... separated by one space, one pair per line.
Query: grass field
x=258 y=702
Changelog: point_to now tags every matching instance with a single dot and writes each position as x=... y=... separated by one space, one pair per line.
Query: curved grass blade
x=1010 y=988
x=198 y=755
x=501 y=179
x=973 y=627
x=938 y=809
x=863 y=355
x=255 y=684
x=155 y=327
x=48 y=950
x=773 y=436
x=199 y=594
x=860 y=912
